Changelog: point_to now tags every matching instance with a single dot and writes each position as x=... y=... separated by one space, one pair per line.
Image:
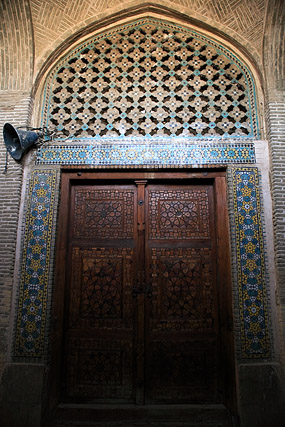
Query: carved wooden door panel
x=100 y=327
x=181 y=320
x=141 y=320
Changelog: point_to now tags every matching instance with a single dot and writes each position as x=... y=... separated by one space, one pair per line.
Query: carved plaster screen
x=148 y=81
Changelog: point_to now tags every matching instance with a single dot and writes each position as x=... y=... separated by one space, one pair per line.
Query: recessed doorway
x=143 y=296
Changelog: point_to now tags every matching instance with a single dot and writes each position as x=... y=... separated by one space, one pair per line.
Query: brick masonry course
x=15 y=108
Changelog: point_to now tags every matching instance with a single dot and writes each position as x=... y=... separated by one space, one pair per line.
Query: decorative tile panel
x=151 y=78
x=160 y=153
x=32 y=305
x=251 y=264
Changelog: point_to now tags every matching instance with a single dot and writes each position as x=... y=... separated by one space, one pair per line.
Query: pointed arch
x=151 y=78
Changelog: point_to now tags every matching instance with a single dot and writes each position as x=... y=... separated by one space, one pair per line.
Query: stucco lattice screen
x=151 y=78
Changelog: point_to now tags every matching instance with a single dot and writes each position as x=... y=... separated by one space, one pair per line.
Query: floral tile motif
x=251 y=264
x=32 y=305
x=147 y=154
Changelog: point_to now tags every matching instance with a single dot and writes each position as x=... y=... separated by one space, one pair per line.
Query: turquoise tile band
x=147 y=154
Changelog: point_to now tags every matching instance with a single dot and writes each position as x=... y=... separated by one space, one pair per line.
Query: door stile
x=57 y=326
x=68 y=254
x=139 y=291
x=226 y=342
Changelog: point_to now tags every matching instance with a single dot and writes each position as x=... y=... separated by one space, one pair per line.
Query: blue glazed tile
x=145 y=154
x=32 y=304
x=251 y=264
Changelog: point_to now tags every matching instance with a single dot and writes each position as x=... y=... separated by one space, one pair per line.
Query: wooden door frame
x=218 y=178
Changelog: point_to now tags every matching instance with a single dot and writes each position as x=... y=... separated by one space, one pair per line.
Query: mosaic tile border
x=255 y=341
x=35 y=275
x=147 y=154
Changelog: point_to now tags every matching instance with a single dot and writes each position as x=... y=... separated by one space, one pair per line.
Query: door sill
x=172 y=415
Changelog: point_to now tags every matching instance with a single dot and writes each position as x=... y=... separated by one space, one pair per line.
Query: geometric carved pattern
x=103 y=213
x=101 y=366
x=182 y=288
x=179 y=214
x=100 y=317
x=151 y=78
x=32 y=304
x=191 y=363
x=101 y=288
x=107 y=213
x=184 y=295
x=182 y=326
x=98 y=369
x=101 y=293
x=251 y=264
x=158 y=152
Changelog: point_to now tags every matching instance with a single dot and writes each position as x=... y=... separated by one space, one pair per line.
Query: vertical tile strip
x=36 y=259
x=251 y=264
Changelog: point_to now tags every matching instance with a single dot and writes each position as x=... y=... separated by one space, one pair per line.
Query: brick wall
x=16 y=53
x=55 y=21
x=276 y=120
x=274 y=65
x=16 y=58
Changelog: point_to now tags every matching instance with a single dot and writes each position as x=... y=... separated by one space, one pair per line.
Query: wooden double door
x=145 y=299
